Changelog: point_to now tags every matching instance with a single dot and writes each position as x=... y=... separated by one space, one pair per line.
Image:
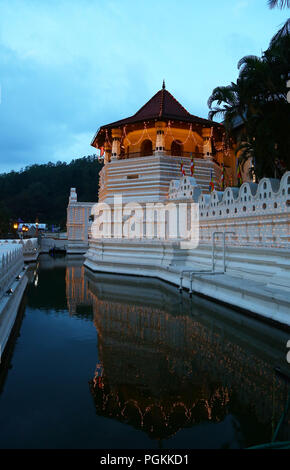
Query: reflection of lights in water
x=204 y=371
x=36 y=281
x=98 y=378
x=160 y=417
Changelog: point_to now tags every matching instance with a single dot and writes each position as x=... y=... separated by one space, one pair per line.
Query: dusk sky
x=69 y=66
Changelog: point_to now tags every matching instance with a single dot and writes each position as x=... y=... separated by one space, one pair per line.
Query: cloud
x=239 y=6
x=69 y=66
x=57 y=81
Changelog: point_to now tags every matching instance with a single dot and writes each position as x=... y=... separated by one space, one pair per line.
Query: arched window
x=146 y=148
x=177 y=148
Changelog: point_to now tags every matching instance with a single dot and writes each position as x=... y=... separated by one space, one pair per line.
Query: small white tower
x=73 y=196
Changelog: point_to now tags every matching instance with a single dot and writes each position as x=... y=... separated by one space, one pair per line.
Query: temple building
x=144 y=152
x=162 y=160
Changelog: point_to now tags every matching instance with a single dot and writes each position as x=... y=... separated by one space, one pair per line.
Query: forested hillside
x=42 y=191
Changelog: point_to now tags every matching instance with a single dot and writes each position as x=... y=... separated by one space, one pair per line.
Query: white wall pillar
x=207 y=145
x=116 y=136
x=160 y=138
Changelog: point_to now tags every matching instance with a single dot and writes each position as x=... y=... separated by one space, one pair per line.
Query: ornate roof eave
x=168 y=117
x=163 y=106
x=191 y=119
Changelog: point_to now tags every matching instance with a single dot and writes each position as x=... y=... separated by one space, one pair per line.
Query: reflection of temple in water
x=77 y=293
x=167 y=364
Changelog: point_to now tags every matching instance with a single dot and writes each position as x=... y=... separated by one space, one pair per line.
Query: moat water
x=104 y=361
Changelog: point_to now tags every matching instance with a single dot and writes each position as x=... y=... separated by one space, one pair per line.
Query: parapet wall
x=13 y=281
x=257 y=213
x=11 y=261
x=30 y=247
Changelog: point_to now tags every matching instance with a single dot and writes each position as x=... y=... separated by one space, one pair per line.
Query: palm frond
x=247 y=59
x=284 y=31
x=279 y=3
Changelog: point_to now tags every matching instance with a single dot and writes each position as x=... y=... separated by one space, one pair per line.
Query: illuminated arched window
x=177 y=148
x=146 y=148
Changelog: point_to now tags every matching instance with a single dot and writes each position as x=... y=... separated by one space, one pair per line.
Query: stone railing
x=30 y=245
x=259 y=214
x=256 y=214
x=11 y=261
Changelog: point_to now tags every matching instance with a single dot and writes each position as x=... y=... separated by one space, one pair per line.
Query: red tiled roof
x=162 y=106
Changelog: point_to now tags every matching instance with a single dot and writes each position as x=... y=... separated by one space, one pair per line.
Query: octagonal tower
x=144 y=152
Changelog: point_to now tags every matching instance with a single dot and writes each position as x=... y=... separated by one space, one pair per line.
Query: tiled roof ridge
x=161 y=101
x=179 y=103
x=146 y=104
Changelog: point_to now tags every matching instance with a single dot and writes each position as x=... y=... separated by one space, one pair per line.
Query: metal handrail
x=207 y=271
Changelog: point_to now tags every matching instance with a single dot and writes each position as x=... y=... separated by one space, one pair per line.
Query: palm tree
x=259 y=99
x=279 y=3
x=284 y=31
x=232 y=98
x=286 y=27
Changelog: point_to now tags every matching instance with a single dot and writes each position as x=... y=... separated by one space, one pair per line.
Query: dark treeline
x=42 y=191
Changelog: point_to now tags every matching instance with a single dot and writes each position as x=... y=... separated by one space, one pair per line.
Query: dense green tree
x=259 y=99
x=286 y=27
x=42 y=191
x=4 y=220
x=229 y=103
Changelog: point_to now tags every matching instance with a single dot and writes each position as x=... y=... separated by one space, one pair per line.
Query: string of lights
x=168 y=131
x=190 y=134
x=139 y=140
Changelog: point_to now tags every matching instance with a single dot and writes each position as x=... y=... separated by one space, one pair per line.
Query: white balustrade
x=11 y=261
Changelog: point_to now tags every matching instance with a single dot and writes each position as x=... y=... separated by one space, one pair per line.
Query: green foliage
x=259 y=100
x=279 y=3
x=43 y=190
x=4 y=220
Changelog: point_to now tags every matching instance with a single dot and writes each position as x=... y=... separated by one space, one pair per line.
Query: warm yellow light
x=15 y=226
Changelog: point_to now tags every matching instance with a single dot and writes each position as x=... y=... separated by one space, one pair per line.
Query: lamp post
x=15 y=226
x=23 y=230
x=36 y=225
